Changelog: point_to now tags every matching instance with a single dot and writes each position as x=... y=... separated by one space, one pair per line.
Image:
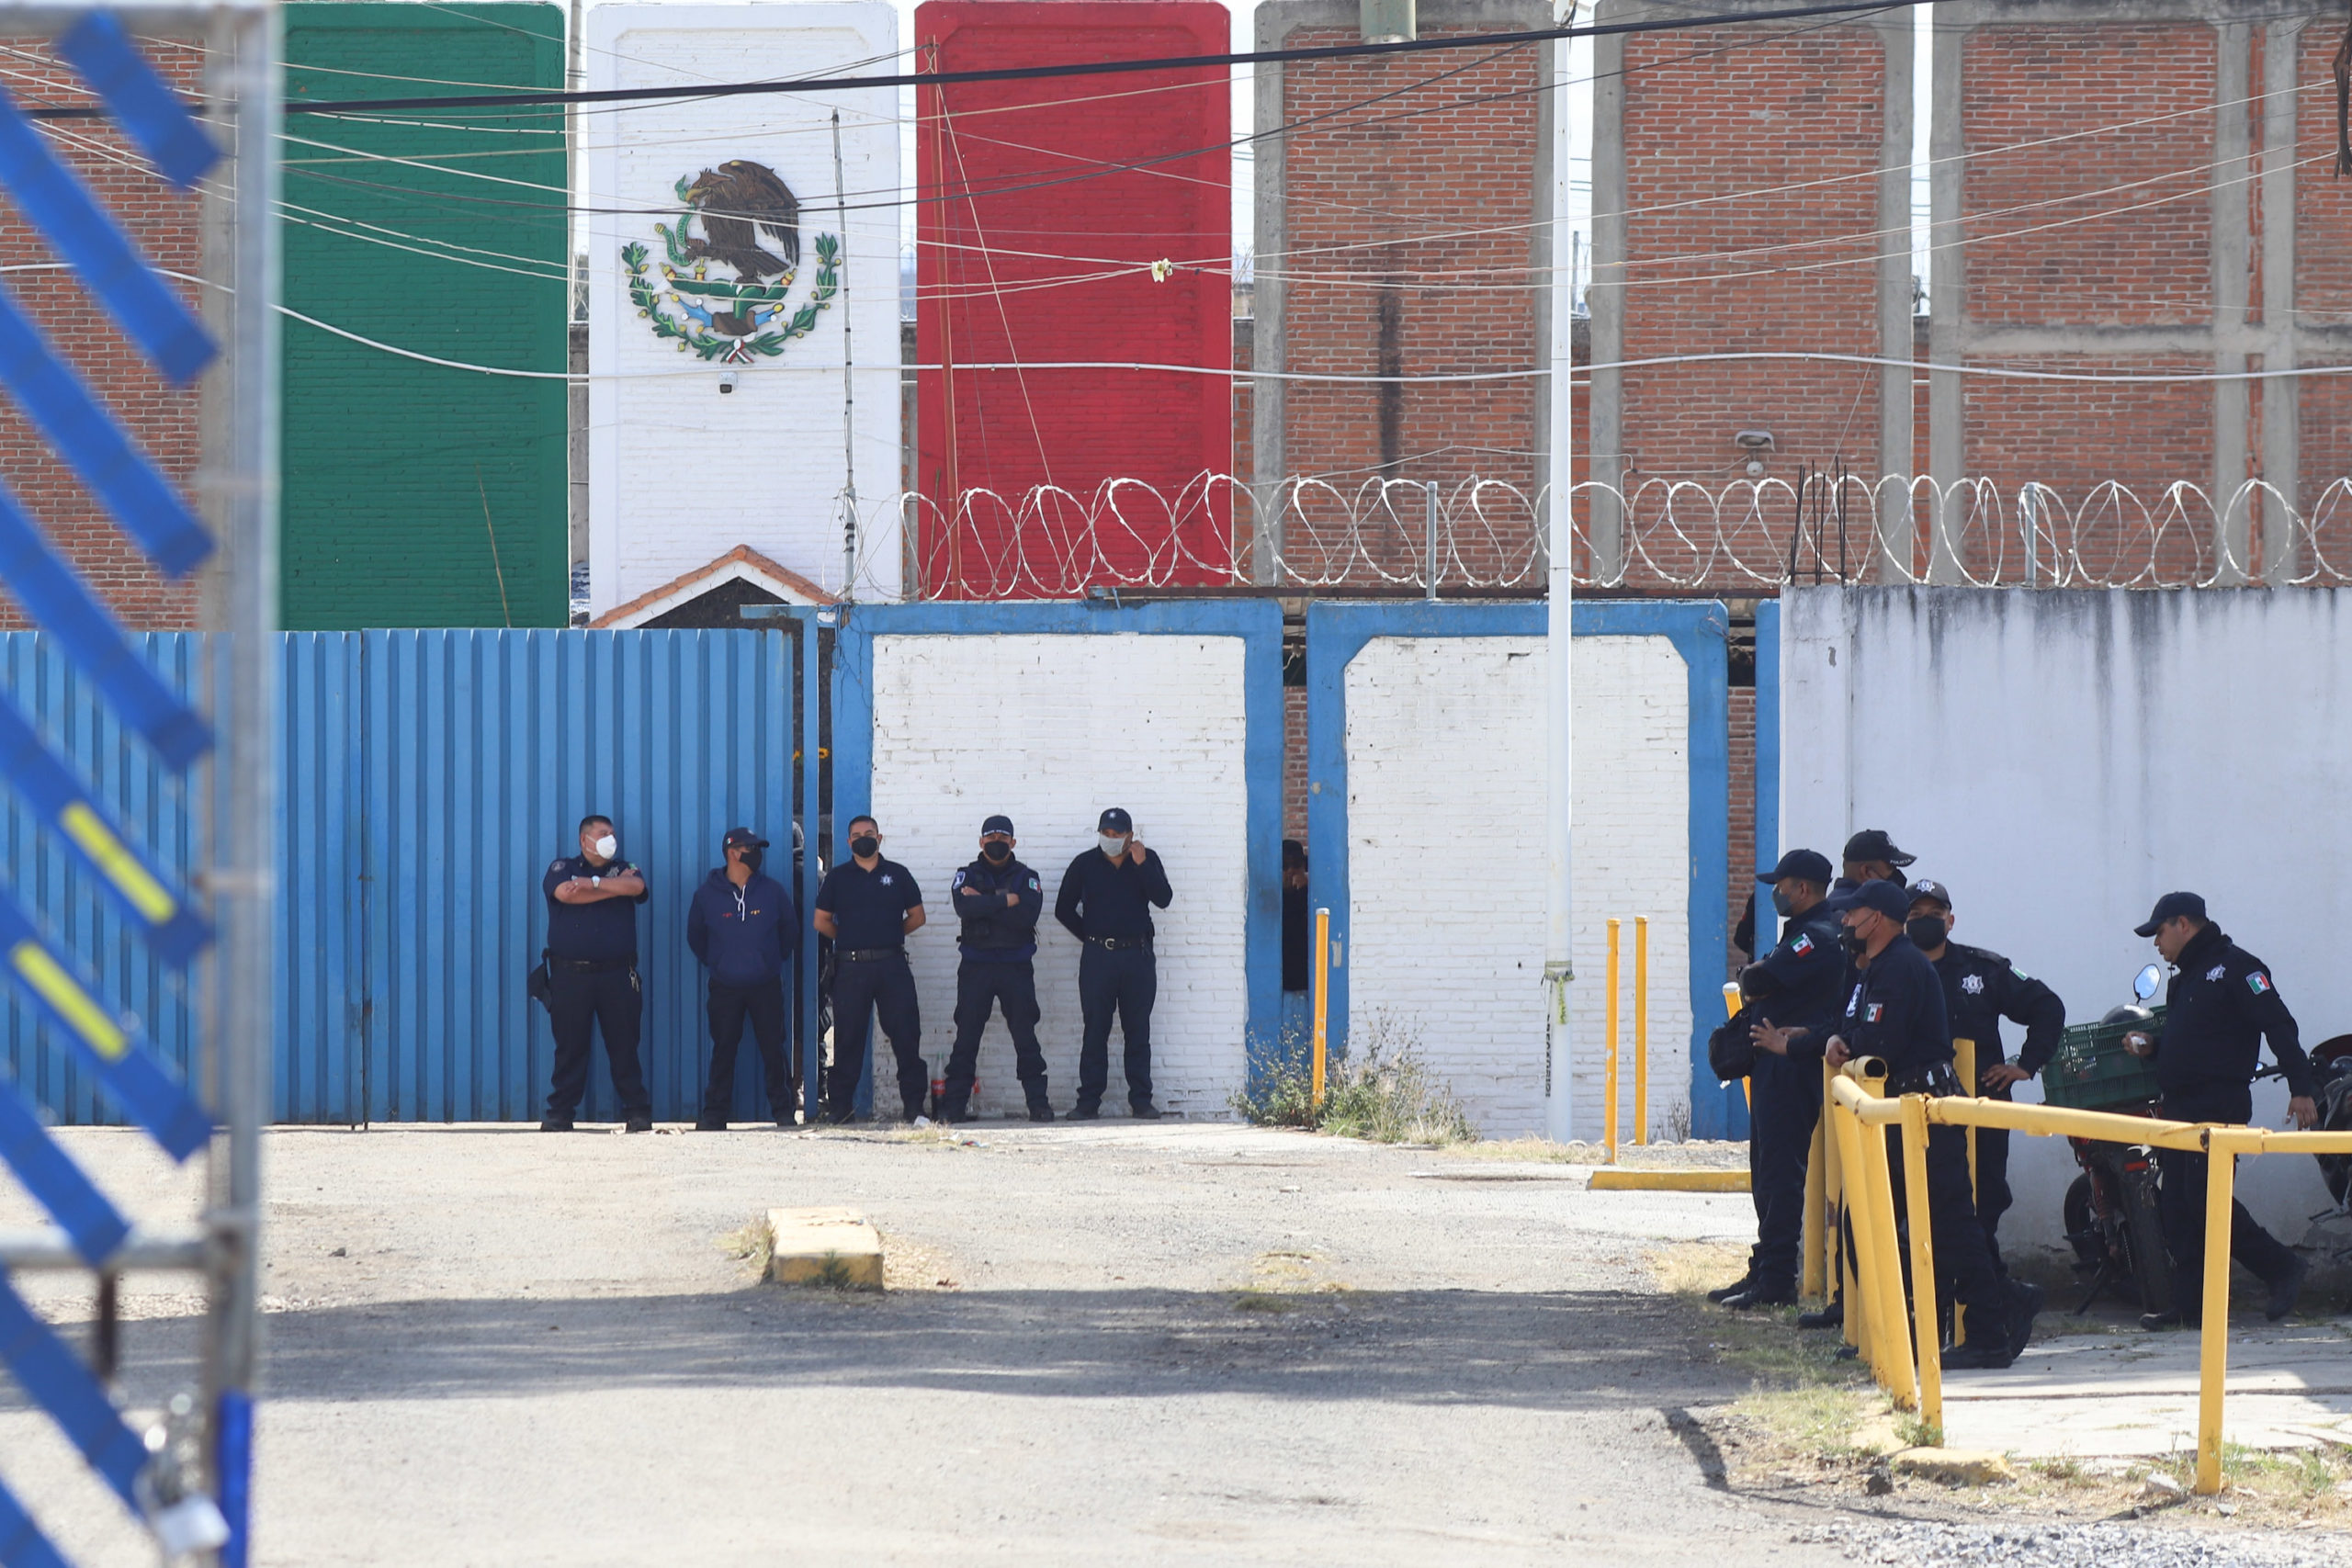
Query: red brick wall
x=2324 y=297
x=1407 y=251
x=162 y=420
x=1294 y=762
x=1714 y=114
x=1002 y=214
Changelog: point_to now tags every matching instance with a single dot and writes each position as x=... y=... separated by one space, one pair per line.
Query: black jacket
x=1895 y=1013
x=1105 y=898
x=993 y=928
x=1796 y=983
x=1981 y=988
x=2221 y=1003
x=743 y=935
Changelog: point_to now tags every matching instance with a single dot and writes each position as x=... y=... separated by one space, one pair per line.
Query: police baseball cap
x=2170 y=904
x=1806 y=865
x=1935 y=892
x=1889 y=899
x=1871 y=843
x=999 y=823
x=740 y=837
x=1115 y=820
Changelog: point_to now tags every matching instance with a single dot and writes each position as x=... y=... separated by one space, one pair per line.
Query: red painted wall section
x=1044 y=204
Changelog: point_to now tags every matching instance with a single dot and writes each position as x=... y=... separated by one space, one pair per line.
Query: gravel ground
x=1109 y=1344
x=1933 y=1545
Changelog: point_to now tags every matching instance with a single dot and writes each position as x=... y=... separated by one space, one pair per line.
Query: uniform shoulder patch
x=960 y=878
x=2019 y=973
x=1032 y=883
x=2258 y=983
x=1802 y=945
x=1873 y=1012
x=556 y=865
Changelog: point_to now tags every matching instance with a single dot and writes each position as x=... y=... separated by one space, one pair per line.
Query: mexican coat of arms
x=737 y=205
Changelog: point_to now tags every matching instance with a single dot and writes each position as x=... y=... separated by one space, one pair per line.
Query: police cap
x=1806 y=865
x=1889 y=899
x=2170 y=904
x=1934 y=892
x=1115 y=820
x=999 y=823
x=1871 y=843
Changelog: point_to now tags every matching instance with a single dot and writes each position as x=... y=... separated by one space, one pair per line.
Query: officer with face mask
x=592 y=974
x=1106 y=900
x=999 y=901
x=1870 y=856
x=743 y=925
x=869 y=906
x=1787 y=1000
x=1895 y=1013
x=1979 y=989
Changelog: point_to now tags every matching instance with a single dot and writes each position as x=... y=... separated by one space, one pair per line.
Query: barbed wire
x=1656 y=534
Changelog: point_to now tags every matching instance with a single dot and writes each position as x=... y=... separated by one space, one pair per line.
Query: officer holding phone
x=1106 y=899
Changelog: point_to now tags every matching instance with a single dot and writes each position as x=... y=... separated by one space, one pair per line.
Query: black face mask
x=865 y=845
x=996 y=855
x=1851 y=941
x=1782 y=905
x=1926 y=930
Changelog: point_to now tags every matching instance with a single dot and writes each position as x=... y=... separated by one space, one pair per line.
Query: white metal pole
x=1559 y=969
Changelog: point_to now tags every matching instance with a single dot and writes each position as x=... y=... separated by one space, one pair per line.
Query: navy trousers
x=1125 y=981
x=1785 y=1101
x=981 y=986
x=883 y=986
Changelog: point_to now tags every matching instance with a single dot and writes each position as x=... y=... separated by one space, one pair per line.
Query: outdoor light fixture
x=1755 y=443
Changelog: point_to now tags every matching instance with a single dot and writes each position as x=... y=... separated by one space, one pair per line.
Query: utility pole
x=1559 y=904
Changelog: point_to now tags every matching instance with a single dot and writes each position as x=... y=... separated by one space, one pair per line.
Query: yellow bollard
x=2213 y=1350
x=1832 y=1260
x=1964 y=1067
x=1847 y=1133
x=1924 y=1314
x=1322 y=998
x=1809 y=1271
x=1641 y=1029
x=1610 y=1090
x=1903 y=1378
x=1731 y=1006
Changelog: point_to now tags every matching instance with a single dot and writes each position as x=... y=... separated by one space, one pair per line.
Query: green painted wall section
x=416 y=496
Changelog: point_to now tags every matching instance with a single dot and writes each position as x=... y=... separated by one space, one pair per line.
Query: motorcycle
x=2112 y=1215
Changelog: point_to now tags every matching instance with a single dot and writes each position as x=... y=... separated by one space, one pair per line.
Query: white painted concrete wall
x=2061 y=759
x=1446 y=934
x=1049 y=729
x=680 y=474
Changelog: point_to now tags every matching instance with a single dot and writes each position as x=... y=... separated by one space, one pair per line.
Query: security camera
x=727 y=384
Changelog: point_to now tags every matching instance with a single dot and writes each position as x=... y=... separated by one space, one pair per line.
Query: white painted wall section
x=2062 y=758
x=1049 y=729
x=679 y=473
x=1445 y=747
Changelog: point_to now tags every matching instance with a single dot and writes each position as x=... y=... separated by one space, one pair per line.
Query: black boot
x=1738 y=1287
x=1831 y=1316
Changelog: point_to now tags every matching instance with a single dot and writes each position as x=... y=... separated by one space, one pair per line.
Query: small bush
x=1383 y=1092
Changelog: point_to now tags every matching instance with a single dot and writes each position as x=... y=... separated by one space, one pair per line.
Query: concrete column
x=1268 y=461
x=2281 y=407
x=1605 y=300
x=1895 y=523
x=2231 y=260
x=1947 y=289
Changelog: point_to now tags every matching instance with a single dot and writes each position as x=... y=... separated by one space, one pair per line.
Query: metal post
x=1641 y=1031
x=1429 y=571
x=812 y=840
x=1610 y=1031
x=2213 y=1348
x=1924 y=1314
x=1559 y=926
x=243 y=792
x=1322 y=997
x=849 y=388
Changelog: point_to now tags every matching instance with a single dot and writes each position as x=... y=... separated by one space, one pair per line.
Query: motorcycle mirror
x=2145 y=984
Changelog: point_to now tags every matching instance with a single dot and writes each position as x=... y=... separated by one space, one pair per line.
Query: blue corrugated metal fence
x=430 y=778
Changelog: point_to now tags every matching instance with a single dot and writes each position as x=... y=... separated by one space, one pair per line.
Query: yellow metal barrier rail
x=1849 y=1178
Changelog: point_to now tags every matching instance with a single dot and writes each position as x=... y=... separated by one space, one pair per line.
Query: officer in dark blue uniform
x=1979 y=989
x=1105 y=902
x=1787 y=1000
x=592 y=974
x=999 y=901
x=1896 y=1013
x=743 y=925
x=869 y=906
x=1870 y=856
x=2221 y=1004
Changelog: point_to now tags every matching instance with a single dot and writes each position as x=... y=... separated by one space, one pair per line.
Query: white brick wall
x=1447 y=947
x=1049 y=729
x=679 y=473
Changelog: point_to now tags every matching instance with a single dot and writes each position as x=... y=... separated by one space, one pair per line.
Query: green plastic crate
x=2092 y=1071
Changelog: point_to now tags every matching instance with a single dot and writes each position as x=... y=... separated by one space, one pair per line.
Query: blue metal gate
x=430 y=778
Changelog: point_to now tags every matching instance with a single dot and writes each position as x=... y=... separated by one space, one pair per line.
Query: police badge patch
x=1973 y=984
x=2216 y=972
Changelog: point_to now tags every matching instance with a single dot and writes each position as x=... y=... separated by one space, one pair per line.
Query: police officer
x=1979 y=989
x=592 y=974
x=1105 y=902
x=999 y=901
x=1895 y=1013
x=1787 y=1001
x=869 y=906
x=2221 y=1003
x=741 y=925
x=1870 y=856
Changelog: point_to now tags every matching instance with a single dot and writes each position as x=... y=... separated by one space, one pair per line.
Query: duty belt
x=590 y=966
x=1120 y=943
x=1938 y=1079
x=871 y=955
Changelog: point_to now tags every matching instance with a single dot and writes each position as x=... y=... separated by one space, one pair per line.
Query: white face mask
x=607 y=845
x=1113 y=845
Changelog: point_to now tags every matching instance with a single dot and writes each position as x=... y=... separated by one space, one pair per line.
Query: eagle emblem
x=1973 y=984
x=2216 y=972
x=751 y=226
